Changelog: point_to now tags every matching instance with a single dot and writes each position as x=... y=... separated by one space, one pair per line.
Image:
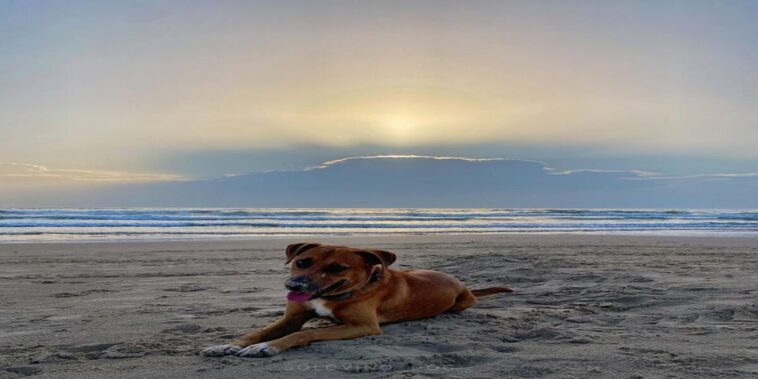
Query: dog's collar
x=375 y=276
x=342 y=296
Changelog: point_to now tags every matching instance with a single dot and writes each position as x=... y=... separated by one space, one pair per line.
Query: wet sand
x=584 y=306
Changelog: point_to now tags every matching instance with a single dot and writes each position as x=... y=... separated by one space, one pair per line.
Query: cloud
x=419 y=157
x=546 y=167
x=748 y=175
x=438 y=158
x=635 y=173
x=628 y=174
x=22 y=171
x=414 y=181
x=403 y=181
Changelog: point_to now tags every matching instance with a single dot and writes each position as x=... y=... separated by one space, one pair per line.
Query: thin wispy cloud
x=411 y=156
x=333 y=162
x=634 y=172
x=20 y=171
x=704 y=176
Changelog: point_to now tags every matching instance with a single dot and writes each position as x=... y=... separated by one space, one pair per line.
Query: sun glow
x=400 y=127
x=399 y=116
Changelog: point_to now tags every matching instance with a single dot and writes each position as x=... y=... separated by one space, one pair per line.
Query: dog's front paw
x=221 y=350
x=258 y=350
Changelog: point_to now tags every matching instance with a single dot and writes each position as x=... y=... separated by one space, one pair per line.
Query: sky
x=99 y=94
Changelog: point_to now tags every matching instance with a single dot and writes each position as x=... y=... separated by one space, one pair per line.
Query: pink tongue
x=298 y=297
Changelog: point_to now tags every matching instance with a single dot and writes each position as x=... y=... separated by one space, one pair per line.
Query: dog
x=356 y=288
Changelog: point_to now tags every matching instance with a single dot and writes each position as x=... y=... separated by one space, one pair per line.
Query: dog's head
x=331 y=271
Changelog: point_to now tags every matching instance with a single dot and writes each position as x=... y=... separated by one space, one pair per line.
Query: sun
x=400 y=127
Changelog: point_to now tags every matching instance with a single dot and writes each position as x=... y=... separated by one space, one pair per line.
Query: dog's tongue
x=298 y=297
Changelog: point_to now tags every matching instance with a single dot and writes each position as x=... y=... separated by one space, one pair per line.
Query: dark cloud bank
x=433 y=182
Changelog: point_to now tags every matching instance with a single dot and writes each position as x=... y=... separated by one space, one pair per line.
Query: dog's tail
x=490 y=291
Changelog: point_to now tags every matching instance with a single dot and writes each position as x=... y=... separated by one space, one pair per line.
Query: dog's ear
x=375 y=257
x=298 y=248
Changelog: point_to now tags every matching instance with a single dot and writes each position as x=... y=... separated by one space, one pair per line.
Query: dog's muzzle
x=301 y=284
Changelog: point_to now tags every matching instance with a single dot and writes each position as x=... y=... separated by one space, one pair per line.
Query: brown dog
x=356 y=288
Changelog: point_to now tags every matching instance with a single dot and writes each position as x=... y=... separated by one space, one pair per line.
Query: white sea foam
x=173 y=223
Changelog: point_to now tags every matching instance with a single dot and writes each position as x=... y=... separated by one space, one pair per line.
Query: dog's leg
x=277 y=329
x=304 y=337
x=292 y=321
x=357 y=322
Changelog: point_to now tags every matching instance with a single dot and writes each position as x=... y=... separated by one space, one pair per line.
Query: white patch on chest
x=319 y=306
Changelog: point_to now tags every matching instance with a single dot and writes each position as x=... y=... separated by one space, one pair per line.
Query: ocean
x=40 y=225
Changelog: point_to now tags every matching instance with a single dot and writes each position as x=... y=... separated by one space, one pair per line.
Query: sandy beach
x=584 y=306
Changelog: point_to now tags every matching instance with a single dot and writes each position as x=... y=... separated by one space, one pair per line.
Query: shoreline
x=160 y=224
x=557 y=237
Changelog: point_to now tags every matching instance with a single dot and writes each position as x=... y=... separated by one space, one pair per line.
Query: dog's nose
x=299 y=284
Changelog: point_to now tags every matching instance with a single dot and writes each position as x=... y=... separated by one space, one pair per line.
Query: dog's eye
x=304 y=263
x=334 y=268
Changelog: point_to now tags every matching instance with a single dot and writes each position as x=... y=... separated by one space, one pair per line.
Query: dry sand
x=585 y=306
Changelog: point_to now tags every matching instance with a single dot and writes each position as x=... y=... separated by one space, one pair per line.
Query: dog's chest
x=319 y=306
